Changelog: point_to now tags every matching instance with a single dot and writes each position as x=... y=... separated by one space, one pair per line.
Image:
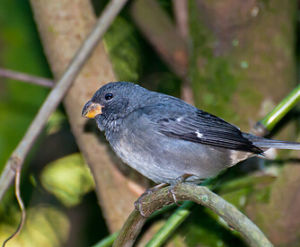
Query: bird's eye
x=108 y=96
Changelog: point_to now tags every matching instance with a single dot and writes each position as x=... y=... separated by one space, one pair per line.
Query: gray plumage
x=165 y=138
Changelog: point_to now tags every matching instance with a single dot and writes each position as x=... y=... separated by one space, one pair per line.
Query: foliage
x=68 y=179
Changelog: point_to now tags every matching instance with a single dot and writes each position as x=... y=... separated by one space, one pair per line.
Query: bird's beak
x=91 y=109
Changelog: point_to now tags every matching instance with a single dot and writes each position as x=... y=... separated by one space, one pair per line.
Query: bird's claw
x=138 y=204
x=179 y=180
x=172 y=192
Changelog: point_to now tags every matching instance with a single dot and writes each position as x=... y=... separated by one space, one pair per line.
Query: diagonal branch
x=201 y=195
x=17 y=158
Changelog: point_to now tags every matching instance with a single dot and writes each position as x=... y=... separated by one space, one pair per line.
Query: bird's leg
x=178 y=181
x=138 y=202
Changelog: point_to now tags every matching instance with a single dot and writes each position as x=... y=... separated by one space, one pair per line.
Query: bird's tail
x=265 y=143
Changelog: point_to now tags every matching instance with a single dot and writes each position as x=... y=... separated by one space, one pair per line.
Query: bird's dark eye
x=108 y=96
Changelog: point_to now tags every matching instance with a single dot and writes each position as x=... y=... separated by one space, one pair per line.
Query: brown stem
x=130 y=230
x=21 y=205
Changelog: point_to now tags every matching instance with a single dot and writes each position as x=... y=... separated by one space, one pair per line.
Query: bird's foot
x=178 y=181
x=139 y=202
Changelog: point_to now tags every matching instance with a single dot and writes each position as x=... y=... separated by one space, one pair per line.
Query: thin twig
x=55 y=96
x=26 y=78
x=201 y=195
x=21 y=205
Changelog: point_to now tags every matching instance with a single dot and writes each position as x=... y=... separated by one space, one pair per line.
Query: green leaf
x=68 y=178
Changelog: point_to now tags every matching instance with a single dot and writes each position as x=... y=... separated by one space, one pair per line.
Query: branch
x=264 y=126
x=17 y=158
x=184 y=211
x=130 y=230
x=26 y=78
x=201 y=195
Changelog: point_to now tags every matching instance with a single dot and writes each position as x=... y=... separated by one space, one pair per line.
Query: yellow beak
x=91 y=109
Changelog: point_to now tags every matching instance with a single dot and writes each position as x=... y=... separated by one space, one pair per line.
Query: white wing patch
x=179 y=119
x=199 y=135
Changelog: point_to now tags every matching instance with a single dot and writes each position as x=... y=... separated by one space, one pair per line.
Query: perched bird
x=166 y=139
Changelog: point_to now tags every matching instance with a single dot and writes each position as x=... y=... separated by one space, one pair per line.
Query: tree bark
x=63 y=25
x=243 y=56
x=279 y=216
x=242 y=65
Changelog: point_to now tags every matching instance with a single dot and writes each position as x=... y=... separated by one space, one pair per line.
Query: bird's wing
x=201 y=127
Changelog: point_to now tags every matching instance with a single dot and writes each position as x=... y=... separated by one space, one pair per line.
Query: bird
x=168 y=140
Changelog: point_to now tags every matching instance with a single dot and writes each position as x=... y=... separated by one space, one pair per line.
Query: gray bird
x=166 y=139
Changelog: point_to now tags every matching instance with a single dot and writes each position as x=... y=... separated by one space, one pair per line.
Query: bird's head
x=114 y=100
